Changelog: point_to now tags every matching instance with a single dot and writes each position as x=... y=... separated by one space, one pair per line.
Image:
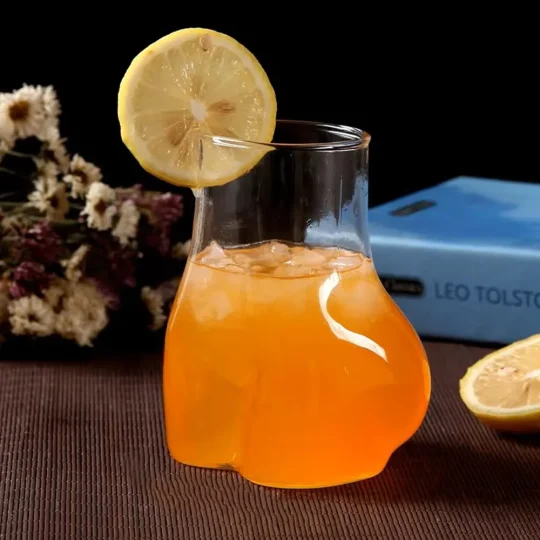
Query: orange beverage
x=291 y=365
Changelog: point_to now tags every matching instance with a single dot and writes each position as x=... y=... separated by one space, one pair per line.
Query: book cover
x=462 y=259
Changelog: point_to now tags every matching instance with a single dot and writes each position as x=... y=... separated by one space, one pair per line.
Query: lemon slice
x=181 y=92
x=503 y=389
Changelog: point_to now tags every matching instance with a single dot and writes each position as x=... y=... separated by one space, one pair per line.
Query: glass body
x=285 y=358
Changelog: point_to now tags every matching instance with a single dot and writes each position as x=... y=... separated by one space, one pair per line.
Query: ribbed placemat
x=83 y=456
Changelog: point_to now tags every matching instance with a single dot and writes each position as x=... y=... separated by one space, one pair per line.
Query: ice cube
x=344 y=263
x=308 y=257
x=215 y=256
x=242 y=259
x=281 y=252
x=233 y=268
x=212 y=307
x=271 y=255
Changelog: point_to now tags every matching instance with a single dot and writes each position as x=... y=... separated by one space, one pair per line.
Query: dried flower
x=7 y=132
x=112 y=268
x=23 y=111
x=84 y=313
x=11 y=224
x=168 y=289
x=167 y=208
x=155 y=304
x=122 y=266
x=82 y=174
x=53 y=149
x=62 y=273
x=31 y=315
x=74 y=266
x=50 y=197
x=46 y=168
x=99 y=208
x=126 y=228
x=29 y=278
x=41 y=243
x=51 y=105
x=109 y=292
x=181 y=250
x=54 y=294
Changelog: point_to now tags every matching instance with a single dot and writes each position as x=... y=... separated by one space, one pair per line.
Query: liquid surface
x=291 y=365
x=279 y=260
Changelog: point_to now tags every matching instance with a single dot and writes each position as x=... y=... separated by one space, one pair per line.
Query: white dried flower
x=49 y=196
x=10 y=224
x=181 y=250
x=99 y=208
x=84 y=313
x=126 y=228
x=81 y=175
x=155 y=304
x=51 y=104
x=4 y=302
x=7 y=128
x=32 y=316
x=74 y=265
x=46 y=168
x=54 y=293
x=54 y=149
x=7 y=136
x=23 y=111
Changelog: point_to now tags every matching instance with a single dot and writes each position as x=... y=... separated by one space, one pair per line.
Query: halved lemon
x=181 y=92
x=503 y=389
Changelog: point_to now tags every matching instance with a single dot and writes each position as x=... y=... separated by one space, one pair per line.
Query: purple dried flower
x=42 y=243
x=17 y=291
x=167 y=208
x=159 y=239
x=111 y=295
x=122 y=266
x=133 y=193
x=29 y=278
x=111 y=267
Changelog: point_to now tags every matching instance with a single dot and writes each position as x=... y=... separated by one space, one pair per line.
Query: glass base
x=315 y=484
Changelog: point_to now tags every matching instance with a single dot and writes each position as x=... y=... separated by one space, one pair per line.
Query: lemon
x=184 y=90
x=503 y=389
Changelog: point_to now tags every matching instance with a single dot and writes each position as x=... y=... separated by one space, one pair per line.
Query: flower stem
x=66 y=222
x=9 y=171
x=10 y=204
x=20 y=154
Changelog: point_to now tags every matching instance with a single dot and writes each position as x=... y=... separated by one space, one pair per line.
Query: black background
x=442 y=93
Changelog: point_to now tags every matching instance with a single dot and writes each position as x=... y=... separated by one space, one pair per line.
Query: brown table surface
x=83 y=456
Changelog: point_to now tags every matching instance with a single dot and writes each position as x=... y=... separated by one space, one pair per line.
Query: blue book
x=462 y=259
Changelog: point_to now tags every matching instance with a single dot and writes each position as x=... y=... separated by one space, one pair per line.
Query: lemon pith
x=183 y=90
x=503 y=389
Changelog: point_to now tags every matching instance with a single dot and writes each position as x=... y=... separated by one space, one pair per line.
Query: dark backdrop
x=442 y=94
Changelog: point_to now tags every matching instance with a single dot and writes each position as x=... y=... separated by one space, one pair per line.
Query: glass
x=285 y=358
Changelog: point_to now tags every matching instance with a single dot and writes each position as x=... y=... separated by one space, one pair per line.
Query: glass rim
x=350 y=138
